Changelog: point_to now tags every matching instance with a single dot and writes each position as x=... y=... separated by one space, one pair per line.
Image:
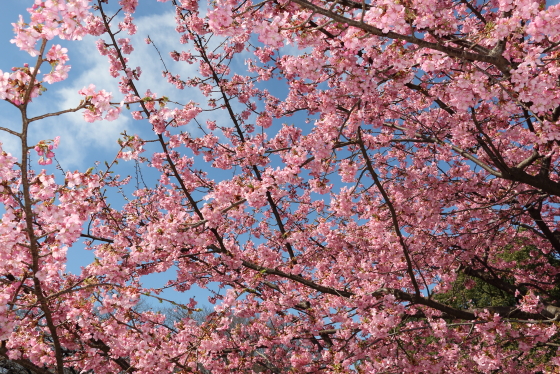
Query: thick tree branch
x=394 y=218
x=499 y=61
x=535 y=213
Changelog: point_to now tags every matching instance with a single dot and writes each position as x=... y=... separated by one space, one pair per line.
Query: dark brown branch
x=29 y=217
x=354 y=4
x=99 y=344
x=394 y=218
x=81 y=106
x=535 y=213
x=488 y=146
x=96 y=238
x=494 y=281
x=467 y=155
x=229 y=108
x=10 y=131
x=425 y=92
x=515 y=174
x=529 y=160
x=499 y=61
x=556 y=114
x=474 y=11
x=33 y=76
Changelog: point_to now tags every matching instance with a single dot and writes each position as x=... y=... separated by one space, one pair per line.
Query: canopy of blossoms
x=428 y=168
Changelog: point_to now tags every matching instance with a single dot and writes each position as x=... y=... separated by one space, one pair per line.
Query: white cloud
x=82 y=142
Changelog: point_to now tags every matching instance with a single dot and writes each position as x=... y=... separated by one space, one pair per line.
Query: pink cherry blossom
x=356 y=187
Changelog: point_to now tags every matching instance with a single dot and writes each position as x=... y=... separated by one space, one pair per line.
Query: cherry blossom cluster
x=50 y=19
x=98 y=103
x=45 y=149
x=57 y=57
x=13 y=86
x=134 y=146
x=7 y=171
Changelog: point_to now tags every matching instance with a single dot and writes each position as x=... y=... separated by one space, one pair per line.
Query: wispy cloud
x=82 y=142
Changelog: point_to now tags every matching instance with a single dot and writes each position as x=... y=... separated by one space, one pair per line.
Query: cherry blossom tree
x=428 y=166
